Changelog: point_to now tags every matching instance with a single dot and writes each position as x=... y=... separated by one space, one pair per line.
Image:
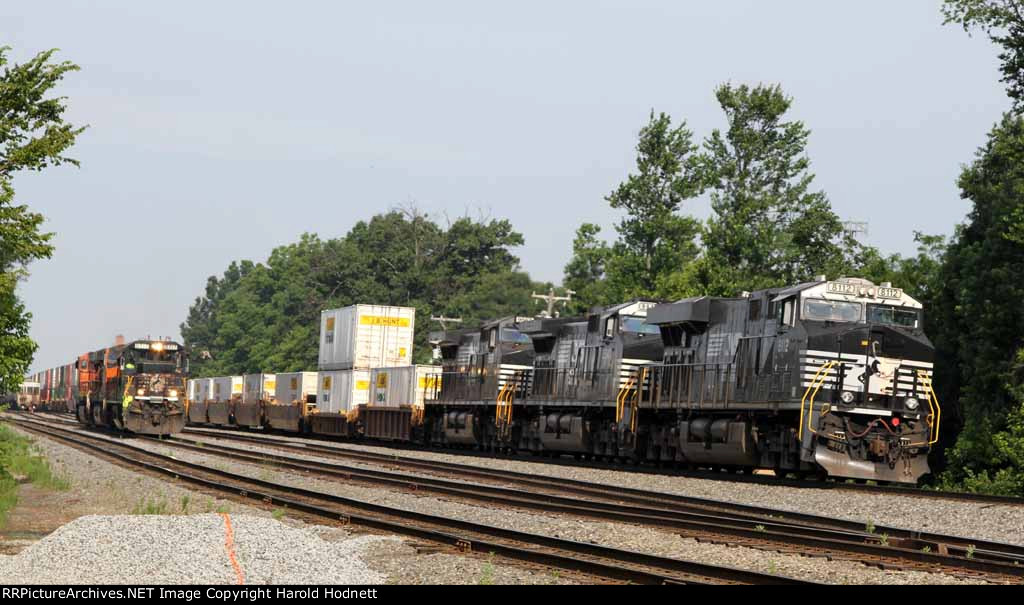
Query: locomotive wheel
x=97 y=415
x=81 y=415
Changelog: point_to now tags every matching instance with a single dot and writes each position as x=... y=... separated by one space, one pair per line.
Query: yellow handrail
x=812 y=391
x=933 y=405
x=498 y=404
x=620 y=400
x=635 y=411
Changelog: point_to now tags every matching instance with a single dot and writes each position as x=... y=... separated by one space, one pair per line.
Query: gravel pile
x=98 y=485
x=169 y=549
x=648 y=540
x=1003 y=523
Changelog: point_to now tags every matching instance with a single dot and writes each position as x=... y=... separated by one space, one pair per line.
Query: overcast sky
x=218 y=130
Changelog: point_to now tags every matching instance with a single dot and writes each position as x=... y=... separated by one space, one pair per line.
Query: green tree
x=918 y=275
x=265 y=316
x=768 y=227
x=33 y=136
x=654 y=240
x=979 y=316
x=585 y=273
x=1003 y=22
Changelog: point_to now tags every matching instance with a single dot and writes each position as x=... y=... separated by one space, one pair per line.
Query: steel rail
x=837 y=484
x=613 y=563
x=756 y=530
x=991 y=550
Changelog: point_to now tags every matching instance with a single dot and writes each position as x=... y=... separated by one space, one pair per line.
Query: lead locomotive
x=823 y=377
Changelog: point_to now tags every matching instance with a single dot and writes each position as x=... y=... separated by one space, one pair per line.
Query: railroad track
x=997 y=551
x=595 y=561
x=891 y=490
x=704 y=520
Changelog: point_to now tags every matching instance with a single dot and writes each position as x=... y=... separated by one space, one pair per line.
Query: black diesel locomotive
x=826 y=377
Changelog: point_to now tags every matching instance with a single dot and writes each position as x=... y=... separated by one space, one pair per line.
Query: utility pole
x=551 y=299
x=858 y=230
x=436 y=344
x=444 y=321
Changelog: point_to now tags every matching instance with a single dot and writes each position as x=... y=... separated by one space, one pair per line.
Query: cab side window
x=609 y=327
x=785 y=313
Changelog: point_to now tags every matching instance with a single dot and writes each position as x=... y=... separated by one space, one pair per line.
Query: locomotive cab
x=138 y=387
x=869 y=411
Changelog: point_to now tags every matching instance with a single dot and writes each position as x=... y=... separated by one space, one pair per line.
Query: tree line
x=769 y=226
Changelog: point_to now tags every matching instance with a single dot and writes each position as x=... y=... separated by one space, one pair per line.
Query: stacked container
x=341 y=391
x=397 y=400
x=295 y=387
x=403 y=386
x=353 y=341
x=226 y=391
x=257 y=391
x=199 y=395
x=291 y=392
x=366 y=336
x=224 y=388
x=259 y=387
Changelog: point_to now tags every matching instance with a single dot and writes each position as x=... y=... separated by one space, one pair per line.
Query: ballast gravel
x=631 y=537
x=97 y=486
x=172 y=549
x=985 y=521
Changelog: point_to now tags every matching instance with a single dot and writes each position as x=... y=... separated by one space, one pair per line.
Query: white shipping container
x=226 y=387
x=342 y=390
x=295 y=386
x=192 y=389
x=408 y=385
x=366 y=336
x=259 y=387
x=200 y=389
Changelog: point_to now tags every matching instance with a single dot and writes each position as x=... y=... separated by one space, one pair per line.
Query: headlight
x=140 y=392
x=847 y=397
x=172 y=393
x=911 y=403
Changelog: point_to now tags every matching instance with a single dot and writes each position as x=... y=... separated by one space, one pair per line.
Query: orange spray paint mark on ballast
x=229 y=544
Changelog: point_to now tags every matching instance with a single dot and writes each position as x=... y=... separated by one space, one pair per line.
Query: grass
x=19 y=458
x=278 y=514
x=487 y=575
x=157 y=506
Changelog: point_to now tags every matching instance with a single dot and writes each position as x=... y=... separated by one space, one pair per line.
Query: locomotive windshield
x=156 y=359
x=894 y=316
x=513 y=335
x=638 y=325
x=817 y=309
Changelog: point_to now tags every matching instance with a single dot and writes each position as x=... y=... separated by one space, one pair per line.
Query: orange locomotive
x=137 y=387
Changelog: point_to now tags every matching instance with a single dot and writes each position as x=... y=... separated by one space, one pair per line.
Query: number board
x=838 y=288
